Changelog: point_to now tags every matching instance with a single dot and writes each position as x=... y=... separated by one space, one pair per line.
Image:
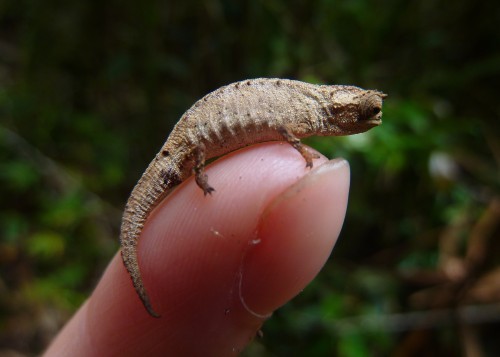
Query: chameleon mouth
x=374 y=122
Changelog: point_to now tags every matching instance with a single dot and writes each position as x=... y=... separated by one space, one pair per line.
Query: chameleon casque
x=235 y=116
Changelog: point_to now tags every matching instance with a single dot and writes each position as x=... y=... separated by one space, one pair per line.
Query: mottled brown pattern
x=234 y=116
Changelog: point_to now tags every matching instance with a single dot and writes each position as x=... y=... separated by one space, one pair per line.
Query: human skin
x=217 y=267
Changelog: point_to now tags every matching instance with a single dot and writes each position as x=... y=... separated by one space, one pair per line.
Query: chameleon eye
x=370 y=105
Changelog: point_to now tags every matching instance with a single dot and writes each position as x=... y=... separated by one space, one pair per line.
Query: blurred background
x=89 y=91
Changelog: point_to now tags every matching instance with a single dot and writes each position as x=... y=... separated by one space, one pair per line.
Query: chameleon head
x=353 y=110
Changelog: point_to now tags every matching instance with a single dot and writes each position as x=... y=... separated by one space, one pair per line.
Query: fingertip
x=296 y=235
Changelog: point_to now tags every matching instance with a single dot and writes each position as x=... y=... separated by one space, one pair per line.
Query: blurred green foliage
x=89 y=91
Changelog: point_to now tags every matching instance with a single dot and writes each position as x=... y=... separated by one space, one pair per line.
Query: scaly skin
x=234 y=116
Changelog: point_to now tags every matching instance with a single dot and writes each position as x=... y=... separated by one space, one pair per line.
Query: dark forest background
x=89 y=91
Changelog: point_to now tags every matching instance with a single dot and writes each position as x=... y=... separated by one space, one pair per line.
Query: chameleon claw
x=208 y=190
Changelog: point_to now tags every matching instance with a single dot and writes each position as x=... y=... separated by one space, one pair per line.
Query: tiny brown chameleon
x=234 y=116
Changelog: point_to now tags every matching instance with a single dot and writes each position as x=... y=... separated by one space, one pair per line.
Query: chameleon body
x=234 y=116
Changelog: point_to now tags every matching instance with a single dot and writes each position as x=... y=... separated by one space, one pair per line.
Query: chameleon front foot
x=301 y=148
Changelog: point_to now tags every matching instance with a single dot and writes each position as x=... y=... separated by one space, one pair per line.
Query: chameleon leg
x=295 y=142
x=200 y=176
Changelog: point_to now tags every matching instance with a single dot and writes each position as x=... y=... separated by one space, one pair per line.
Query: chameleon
x=234 y=116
